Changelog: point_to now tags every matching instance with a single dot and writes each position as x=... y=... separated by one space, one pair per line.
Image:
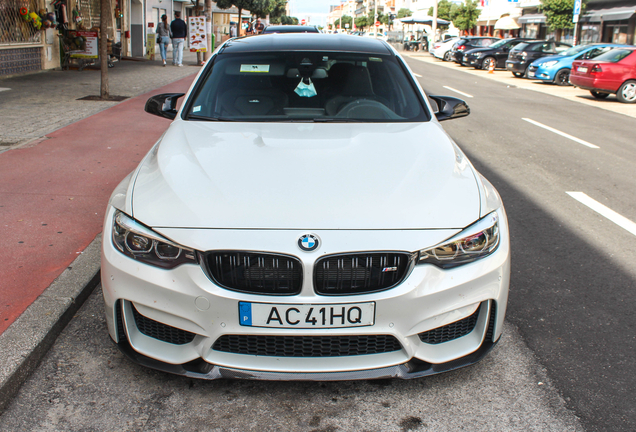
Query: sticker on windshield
x=196 y=109
x=375 y=59
x=254 y=68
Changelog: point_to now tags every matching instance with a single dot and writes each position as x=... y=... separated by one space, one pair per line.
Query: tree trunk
x=240 y=24
x=103 y=49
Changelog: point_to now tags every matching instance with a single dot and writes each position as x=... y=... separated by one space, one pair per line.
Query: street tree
x=404 y=12
x=259 y=8
x=464 y=16
x=558 y=14
x=346 y=19
x=443 y=10
x=362 y=22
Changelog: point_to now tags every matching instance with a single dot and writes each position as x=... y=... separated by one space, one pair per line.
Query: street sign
x=302 y=22
x=346 y=25
x=577 y=7
x=377 y=23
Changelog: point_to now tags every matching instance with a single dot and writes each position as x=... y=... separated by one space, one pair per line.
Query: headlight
x=141 y=243
x=549 y=64
x=524 y=55
x=475 y=242
x=477 y=55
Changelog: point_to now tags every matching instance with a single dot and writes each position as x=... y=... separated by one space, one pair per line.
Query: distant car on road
x=524 y=53
x=613 y=72
x=466 y=43
x=290 y=29
x=442 y=49
x=495 y=55
x=557 y=68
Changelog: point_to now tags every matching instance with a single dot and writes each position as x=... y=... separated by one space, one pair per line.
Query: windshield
x=499 y=43
x=520 y=46
x=306 y=86
x=614 y=56
x=574 y=50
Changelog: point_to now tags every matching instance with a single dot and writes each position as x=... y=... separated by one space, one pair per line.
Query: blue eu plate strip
x=245 y=313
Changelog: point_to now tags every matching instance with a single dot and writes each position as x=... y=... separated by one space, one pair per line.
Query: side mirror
x=450 y=107
x=163 y=105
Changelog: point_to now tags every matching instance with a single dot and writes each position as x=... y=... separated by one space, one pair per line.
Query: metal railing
x=14 y=29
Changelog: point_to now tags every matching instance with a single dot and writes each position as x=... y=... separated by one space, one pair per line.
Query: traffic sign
x=302 y=22
x=377 y=23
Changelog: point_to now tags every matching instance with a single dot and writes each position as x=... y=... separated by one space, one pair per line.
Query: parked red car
x=611 y=72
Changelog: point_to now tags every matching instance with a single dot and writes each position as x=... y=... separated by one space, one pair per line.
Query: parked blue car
x=556 y=68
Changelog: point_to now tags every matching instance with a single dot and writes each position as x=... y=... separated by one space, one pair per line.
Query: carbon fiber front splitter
x=202 y=370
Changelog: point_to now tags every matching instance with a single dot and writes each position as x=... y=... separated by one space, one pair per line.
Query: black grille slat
x=163 y=332
x=306 y=346
x=254 y=272
x=451 y=331
x=360 y=273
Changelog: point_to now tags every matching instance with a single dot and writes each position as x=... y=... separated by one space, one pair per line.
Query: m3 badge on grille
x=308 y=242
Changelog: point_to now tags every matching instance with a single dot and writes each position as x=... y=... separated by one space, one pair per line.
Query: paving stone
x=32 y=106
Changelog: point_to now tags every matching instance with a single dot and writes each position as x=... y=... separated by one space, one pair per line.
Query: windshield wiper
x=335 y=120
x=204 y=118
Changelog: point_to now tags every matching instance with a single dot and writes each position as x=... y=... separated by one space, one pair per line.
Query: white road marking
x=417 y=75
x=4 y=89
x=457 y=91
x=599 y=208
x=563 y=134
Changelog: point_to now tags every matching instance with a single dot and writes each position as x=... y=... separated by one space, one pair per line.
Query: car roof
x=306 y=42
x=291 y=29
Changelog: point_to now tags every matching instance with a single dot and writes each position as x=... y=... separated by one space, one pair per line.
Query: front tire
x=598 y=95
x=518 y=74
x=627 y=92
x=488 y=61
x=562 y=77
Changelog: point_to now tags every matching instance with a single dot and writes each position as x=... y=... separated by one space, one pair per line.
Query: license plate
x=306 y=316
x=530 y=74
x=582 y=69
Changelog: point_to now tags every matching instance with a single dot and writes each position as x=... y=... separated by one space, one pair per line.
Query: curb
x=29 y=338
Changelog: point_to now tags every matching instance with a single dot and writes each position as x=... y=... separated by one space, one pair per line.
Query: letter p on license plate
x=306 y=316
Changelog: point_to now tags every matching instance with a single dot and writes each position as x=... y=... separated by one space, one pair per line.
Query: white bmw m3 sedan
x=305 y=217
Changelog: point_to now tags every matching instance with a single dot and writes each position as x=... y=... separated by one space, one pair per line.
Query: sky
x=315 y=10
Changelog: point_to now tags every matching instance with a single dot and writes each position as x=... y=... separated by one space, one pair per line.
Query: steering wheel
x=366 y=109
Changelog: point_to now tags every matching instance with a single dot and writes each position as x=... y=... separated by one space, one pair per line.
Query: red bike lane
x=53 y=195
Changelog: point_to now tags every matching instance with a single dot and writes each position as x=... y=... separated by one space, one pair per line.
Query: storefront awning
x=609 y=14
x=531 y=19
x=506 y=23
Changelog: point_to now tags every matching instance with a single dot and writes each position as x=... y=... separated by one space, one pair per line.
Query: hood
x=547 y=59
x=305 y=176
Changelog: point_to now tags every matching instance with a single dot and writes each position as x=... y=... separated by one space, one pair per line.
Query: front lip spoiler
x=202 y=370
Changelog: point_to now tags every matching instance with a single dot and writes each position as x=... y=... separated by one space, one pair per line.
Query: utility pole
x=434 y=26
x=375 y=18
x=208 y=28
x=103 y=48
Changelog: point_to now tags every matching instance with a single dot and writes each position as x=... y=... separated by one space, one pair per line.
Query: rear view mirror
x=449 y=107
x=163 y=105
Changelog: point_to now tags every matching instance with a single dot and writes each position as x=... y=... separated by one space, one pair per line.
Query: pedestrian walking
x=179 y=32
x=232 y=30
x=163 y=37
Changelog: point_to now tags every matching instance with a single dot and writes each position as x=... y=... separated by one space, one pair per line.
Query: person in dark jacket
x=179 y=32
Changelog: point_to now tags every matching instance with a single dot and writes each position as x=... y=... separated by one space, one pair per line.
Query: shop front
x=22 y=37
x=609 y=24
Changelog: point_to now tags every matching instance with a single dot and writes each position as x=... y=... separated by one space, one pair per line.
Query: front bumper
x=516 y=66
x=186 y=300
x=539 y=73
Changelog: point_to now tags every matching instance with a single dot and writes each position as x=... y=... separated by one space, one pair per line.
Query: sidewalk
x=503 y=76
x=54 y=187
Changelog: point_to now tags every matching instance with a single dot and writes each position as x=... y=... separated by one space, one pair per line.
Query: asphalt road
x=573 y=275
x=565 y=362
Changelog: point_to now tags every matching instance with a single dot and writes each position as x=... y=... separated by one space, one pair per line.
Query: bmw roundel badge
x=308 y=242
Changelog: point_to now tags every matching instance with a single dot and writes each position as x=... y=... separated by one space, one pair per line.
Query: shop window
x=615 y=33
x=13 y=28
x=590 y=33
